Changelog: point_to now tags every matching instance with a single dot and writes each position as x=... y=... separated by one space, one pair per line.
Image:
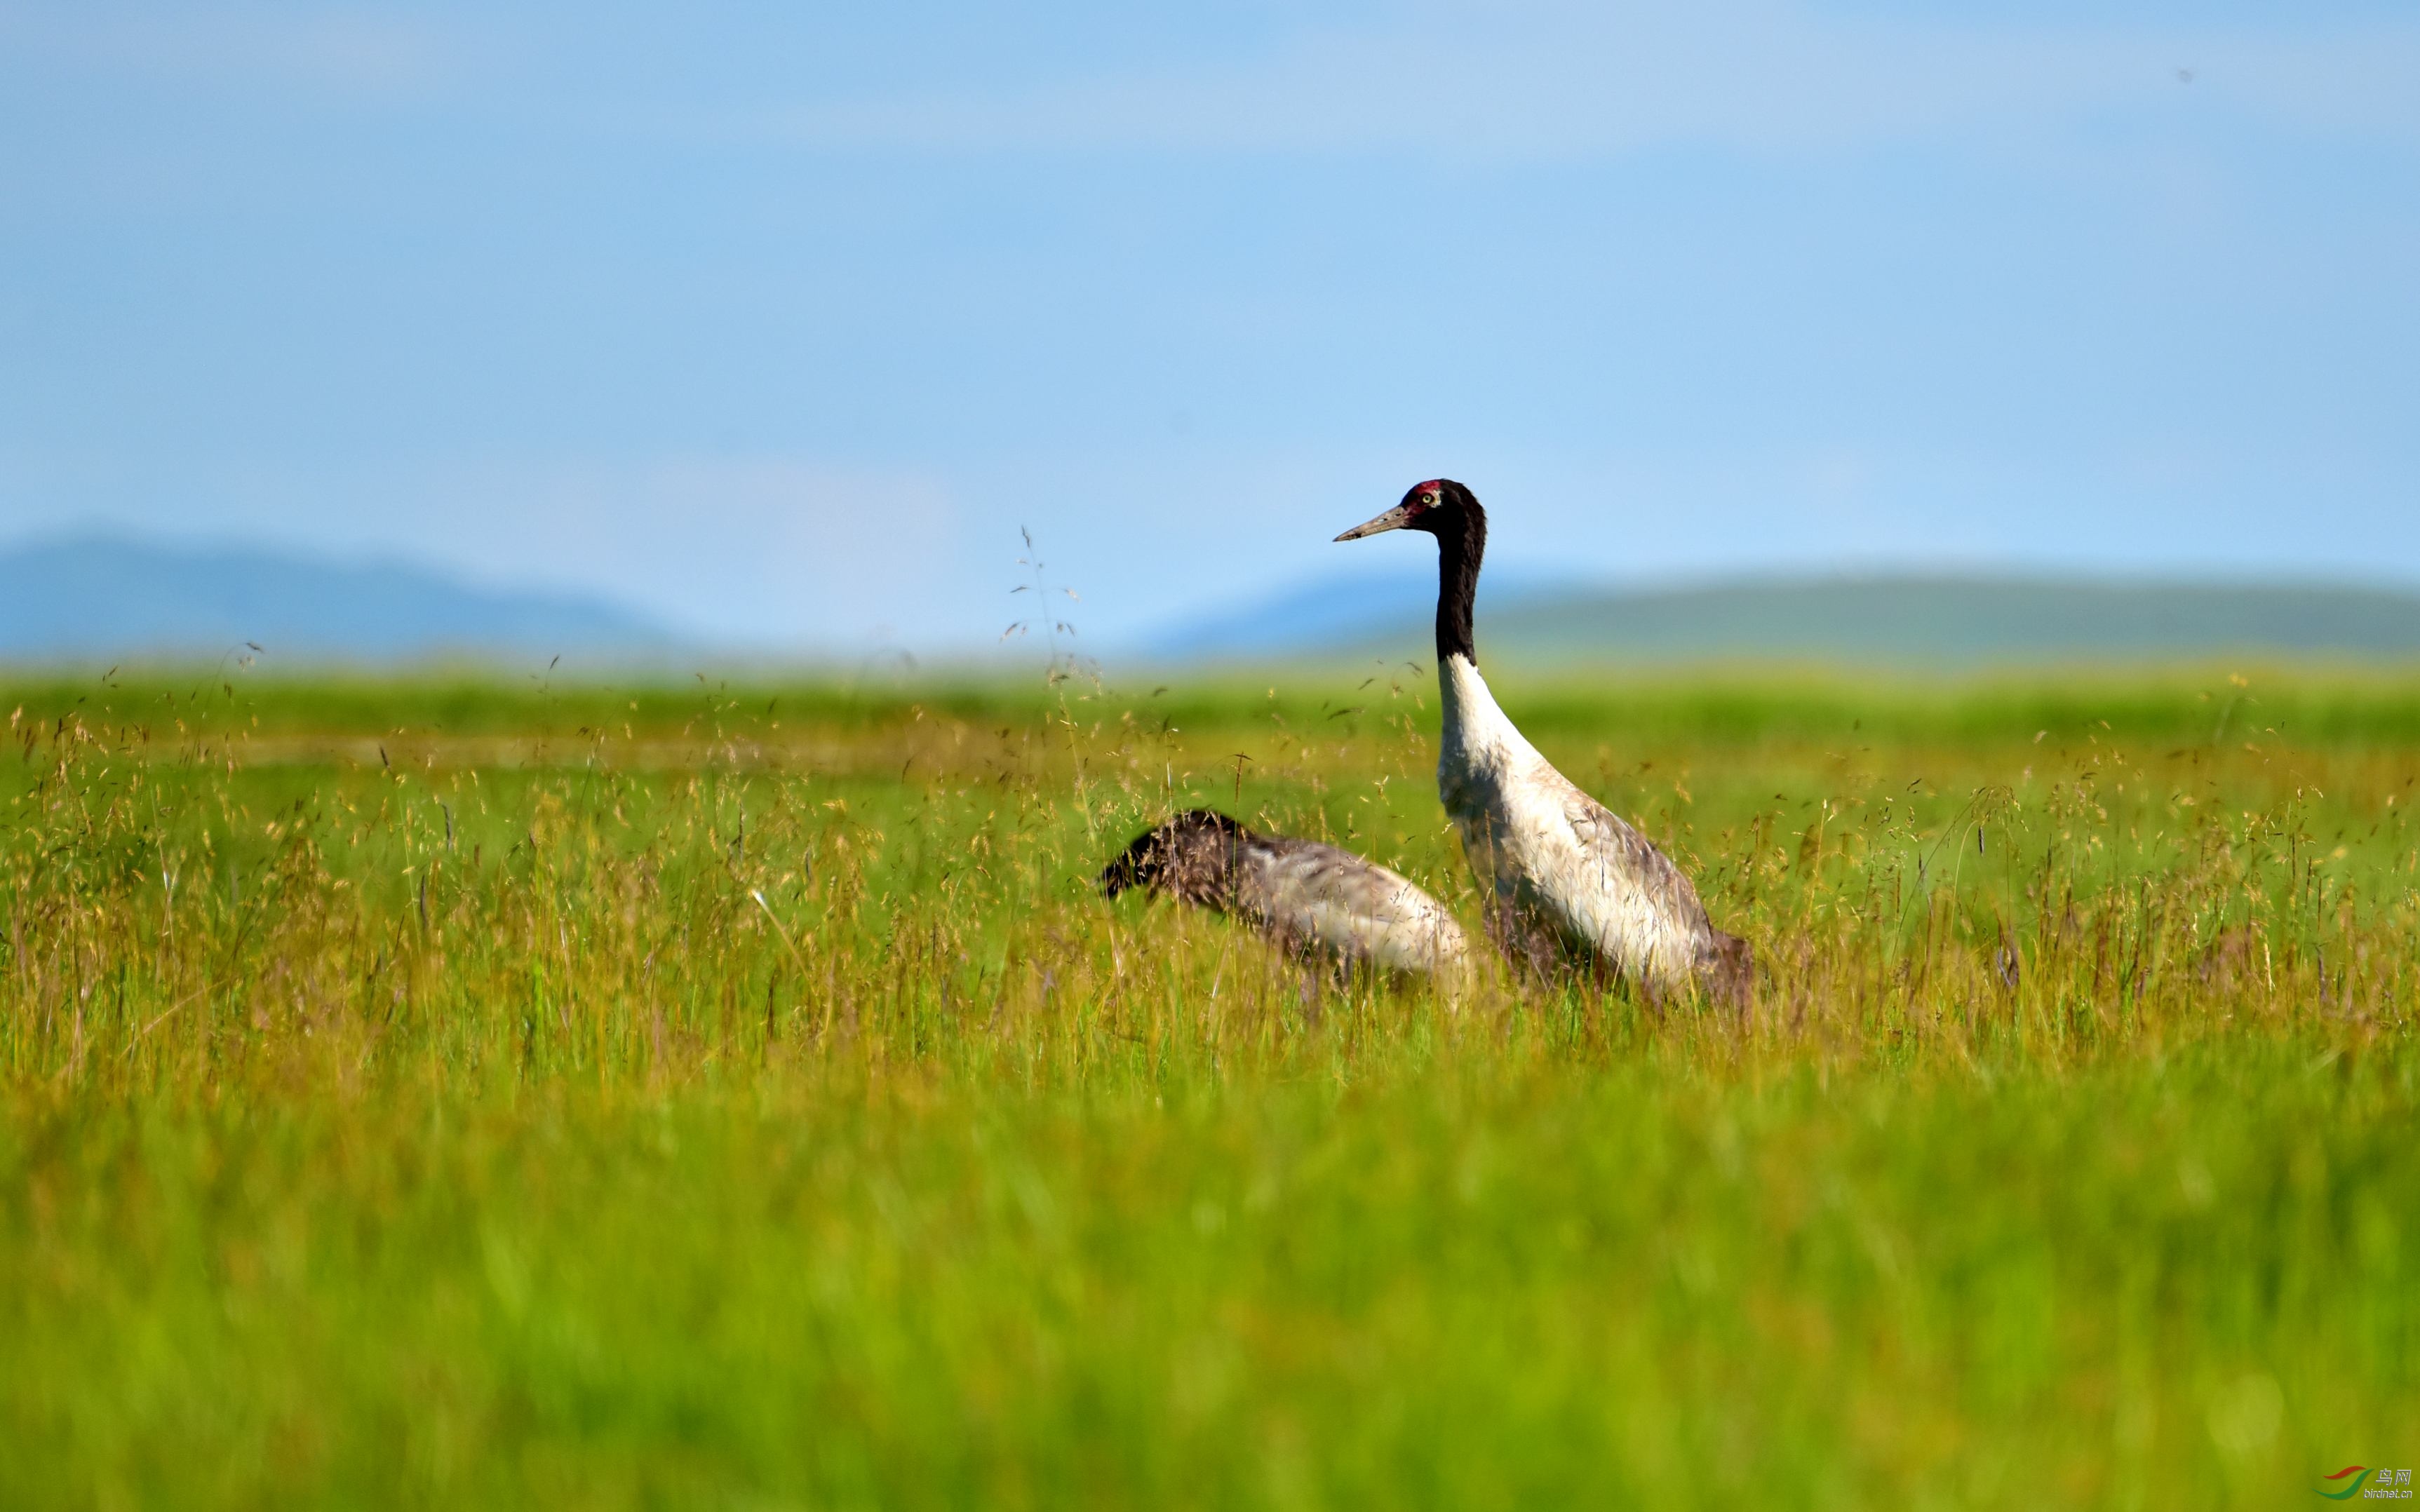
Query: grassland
x=450 y=1094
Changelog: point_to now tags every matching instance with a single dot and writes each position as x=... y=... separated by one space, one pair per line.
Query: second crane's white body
x=1310 y=898
x=1313 y=895
x=1562 y=869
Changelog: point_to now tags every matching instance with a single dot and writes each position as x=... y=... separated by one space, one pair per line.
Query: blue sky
x=779 y=322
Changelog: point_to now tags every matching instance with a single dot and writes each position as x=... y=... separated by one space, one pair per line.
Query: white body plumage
x=1560 y=868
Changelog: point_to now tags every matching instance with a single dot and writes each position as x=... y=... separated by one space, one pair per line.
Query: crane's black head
x=1440 y=507
x=1189 y=855
x=1450 y=512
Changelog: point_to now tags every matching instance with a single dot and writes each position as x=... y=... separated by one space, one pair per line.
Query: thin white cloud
x=340 y=51
x=1544 y=82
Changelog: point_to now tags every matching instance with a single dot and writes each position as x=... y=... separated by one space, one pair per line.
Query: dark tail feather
x=1729 y=971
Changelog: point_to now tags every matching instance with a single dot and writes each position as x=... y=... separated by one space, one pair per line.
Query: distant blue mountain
x=1336 y=611
x=1906 y=619
x=93 y=597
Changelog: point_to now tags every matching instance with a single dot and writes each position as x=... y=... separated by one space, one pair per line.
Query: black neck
x=1460 y=545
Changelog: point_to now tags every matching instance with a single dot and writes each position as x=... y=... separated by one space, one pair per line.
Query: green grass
x=442 y=1093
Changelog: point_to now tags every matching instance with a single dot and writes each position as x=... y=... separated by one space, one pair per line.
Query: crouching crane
x=1308 y=898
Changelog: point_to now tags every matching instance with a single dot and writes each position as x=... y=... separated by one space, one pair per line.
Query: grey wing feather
x=1629 y=902
x=1722 y=964
x=1619 y=850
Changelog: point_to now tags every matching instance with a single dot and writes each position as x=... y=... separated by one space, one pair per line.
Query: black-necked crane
x=1567 y=877
x=1308 y=898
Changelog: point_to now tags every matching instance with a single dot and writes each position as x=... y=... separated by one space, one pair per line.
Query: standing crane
x=1569 y=880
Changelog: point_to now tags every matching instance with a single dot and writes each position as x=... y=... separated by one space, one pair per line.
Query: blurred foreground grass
x=444 y=1093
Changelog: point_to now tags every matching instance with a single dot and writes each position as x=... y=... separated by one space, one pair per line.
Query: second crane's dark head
x=1450 y=512
x=1192 y=855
